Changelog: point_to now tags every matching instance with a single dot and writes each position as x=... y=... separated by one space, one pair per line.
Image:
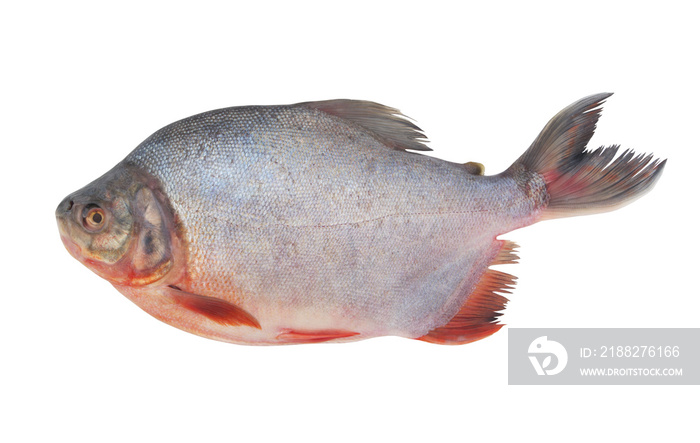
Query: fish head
x=119 y=227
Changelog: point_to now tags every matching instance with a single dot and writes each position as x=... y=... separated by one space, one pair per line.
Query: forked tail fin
x=582 y=182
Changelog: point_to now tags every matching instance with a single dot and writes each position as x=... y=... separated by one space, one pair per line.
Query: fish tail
x=580 y=182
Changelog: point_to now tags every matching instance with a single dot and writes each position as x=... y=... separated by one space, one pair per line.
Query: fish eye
x=93 y=218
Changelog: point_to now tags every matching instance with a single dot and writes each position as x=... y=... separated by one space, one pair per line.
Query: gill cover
x=151 y=257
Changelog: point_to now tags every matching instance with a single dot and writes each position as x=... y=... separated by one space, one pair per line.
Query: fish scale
x=319 y=188
x=312 y=222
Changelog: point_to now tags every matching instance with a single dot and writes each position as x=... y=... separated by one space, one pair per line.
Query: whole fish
x=312 y=222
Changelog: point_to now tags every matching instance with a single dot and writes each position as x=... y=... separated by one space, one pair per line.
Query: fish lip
x=76 y=251
x=63 y=215
x=72 y=248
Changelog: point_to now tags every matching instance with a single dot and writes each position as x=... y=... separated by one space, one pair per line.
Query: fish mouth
x=72 y=248
x=63 y=214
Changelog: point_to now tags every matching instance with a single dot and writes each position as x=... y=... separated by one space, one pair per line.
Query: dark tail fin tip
x=565 y=135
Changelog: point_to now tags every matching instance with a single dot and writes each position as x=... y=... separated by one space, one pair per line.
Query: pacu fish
x=315 y=222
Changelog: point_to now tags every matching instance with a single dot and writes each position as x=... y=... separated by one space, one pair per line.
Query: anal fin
x=294 y=336
x=214 y=309
x=478 y=316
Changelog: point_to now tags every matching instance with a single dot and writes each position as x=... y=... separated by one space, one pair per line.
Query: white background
x=83 y=83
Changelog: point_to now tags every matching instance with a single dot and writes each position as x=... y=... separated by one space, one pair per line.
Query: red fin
x=292 y=336
x=479 y=313
x=213 y=308
x=580 y=181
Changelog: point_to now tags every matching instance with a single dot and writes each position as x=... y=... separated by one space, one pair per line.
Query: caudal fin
x=583 y=182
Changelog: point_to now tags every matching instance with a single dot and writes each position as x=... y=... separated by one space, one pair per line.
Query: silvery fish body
x=312 y=222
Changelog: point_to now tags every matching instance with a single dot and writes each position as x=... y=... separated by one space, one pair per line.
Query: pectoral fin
x=214 y=309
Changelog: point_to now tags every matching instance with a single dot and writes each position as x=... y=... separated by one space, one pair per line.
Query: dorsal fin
x=387 y=124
